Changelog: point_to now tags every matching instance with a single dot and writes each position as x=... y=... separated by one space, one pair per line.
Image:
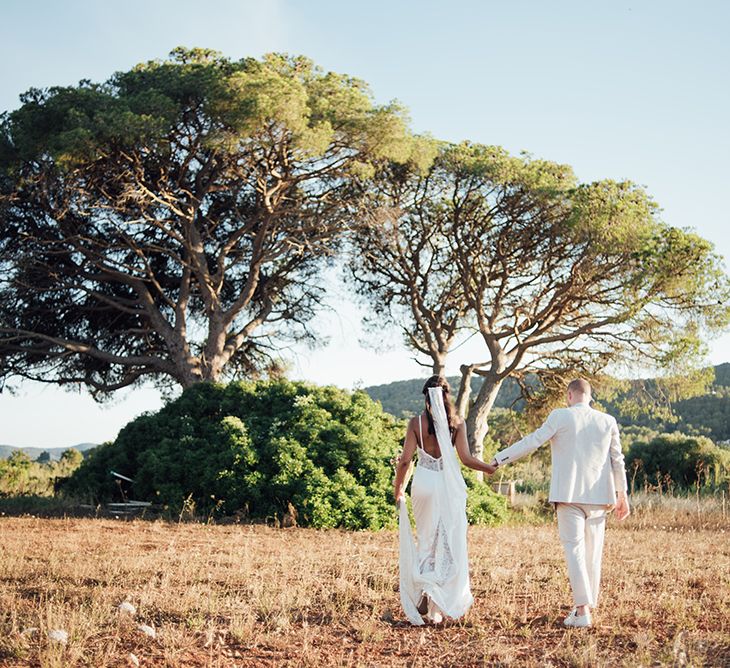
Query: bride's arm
x=403 y=466
x=462 y=447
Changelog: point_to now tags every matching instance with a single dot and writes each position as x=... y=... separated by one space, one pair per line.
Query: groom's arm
x=529 y=443
x=618 y=469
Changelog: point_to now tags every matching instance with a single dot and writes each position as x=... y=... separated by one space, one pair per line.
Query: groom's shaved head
x=579 y=386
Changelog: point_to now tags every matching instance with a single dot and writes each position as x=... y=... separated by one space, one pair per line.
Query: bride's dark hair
x=440 y=381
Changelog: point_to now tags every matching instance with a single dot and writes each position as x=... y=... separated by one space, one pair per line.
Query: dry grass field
x=257 y=596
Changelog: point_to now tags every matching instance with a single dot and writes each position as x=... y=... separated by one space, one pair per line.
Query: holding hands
x=491 y=467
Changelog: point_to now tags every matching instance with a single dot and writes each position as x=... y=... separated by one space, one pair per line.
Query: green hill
x=403 y=398
x=708 y=414
x=35 y=452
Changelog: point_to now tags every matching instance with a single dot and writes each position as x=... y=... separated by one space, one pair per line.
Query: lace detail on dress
x=426 y=461
x=439 y=560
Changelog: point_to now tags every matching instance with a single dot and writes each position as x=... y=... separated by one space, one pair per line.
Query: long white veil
x=454 y=480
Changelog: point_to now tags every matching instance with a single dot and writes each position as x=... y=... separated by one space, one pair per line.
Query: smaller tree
x=555 y=278
x=71 y=459
x=15 y=474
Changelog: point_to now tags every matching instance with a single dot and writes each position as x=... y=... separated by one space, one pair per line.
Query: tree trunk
x=187 y=373
x=439 y=364
x=462 y=399
x=476 y=422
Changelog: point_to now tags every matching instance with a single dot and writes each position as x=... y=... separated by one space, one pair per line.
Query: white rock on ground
x=147 y=630
x=133 y=659
x=58 y=635
x=127 y=608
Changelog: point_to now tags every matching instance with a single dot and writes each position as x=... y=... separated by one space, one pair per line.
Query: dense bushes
x=261 y=449
x=483 y=506
x=678 y=460
x=21 y=476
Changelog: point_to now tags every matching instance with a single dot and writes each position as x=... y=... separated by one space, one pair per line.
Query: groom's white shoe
x=577 y=621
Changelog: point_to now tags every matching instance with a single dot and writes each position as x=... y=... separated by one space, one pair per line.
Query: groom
x=588 y=479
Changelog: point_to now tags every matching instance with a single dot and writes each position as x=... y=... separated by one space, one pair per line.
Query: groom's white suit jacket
x=588 y=465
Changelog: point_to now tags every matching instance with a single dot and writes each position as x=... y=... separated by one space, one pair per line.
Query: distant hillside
x=706 y=414
x=722 y=375
x=34 y=453
x=403 y=398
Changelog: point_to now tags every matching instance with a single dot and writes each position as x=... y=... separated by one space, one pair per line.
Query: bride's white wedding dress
x=439 y=566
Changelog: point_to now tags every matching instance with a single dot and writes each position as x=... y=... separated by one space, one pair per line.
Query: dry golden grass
x=257 y=596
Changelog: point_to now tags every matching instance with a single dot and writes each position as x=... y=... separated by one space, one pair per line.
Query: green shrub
x=257 y=448
x=678 y=459
x=483 y=505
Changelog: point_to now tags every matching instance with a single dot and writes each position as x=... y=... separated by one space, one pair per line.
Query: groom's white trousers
x=582 y=527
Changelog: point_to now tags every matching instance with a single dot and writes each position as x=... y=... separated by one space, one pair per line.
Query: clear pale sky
x=624 y=89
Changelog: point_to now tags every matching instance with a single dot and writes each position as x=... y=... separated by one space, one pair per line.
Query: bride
x=434 y=577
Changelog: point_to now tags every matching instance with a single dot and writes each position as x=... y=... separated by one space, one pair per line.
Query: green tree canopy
x=170 y=222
